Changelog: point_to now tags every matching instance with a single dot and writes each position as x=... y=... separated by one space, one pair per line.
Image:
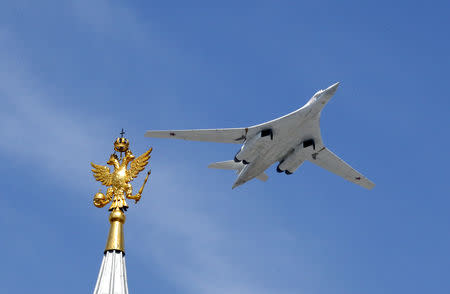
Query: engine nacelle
x=293 y=161
x=252 y=147
x=290 y=164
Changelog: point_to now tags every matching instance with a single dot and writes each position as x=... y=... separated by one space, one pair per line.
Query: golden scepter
x=143 y=184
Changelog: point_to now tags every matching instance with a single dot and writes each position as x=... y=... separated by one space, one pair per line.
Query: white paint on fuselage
x=288 y=132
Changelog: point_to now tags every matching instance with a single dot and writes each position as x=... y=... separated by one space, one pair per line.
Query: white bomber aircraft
x=289 y=140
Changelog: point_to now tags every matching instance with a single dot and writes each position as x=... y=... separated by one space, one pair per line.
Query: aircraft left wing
x=331 y=162
x=236 y=135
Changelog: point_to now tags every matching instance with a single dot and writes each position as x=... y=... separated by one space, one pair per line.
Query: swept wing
x=236 y=135
x=331 y=162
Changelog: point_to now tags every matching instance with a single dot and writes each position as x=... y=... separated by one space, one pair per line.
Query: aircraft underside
x=259 y=157
x=289 y=140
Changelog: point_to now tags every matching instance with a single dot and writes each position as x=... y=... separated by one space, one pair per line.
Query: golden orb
x=121 y=144
x=99 y=199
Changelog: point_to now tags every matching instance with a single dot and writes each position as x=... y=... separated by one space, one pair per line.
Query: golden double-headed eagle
x=119 y=180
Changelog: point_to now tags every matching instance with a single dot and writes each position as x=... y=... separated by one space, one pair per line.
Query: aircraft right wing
x=236 y=135
x=331 y=162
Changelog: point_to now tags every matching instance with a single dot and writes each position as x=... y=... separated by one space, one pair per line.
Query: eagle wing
x=102 y=174
x=138 y=165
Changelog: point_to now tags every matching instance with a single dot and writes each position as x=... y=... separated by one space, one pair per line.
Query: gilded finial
x=118 y=181
x=119 y=187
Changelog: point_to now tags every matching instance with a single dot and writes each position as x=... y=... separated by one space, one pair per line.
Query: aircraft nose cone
x=331 y=89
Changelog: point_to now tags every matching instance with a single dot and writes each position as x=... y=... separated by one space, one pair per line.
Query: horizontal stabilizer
x=229 y=164
x=237 y=166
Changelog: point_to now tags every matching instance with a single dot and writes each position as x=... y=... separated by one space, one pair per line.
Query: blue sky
x=73 y=73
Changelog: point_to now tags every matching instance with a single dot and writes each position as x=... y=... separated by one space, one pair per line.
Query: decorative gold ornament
x=119 y=187
x=121 y=144
x=118 y=180
x=115 y=237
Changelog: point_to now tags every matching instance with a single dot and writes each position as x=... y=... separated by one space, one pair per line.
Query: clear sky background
x=73 y=73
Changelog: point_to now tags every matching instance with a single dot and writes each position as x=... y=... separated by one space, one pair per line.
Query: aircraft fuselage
x=287 y=136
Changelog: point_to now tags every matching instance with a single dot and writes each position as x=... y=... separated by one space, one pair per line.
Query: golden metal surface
x=121 y=144
x=119 y=187
x=115 y=237
x=118 y=180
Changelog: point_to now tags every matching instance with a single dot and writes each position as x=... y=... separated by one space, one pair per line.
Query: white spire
x=112 y=278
